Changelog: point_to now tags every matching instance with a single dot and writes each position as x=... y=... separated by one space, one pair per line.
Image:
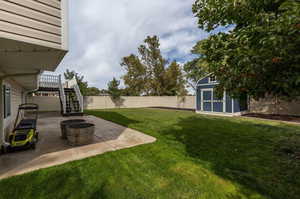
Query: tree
x=135 y=78
x=113 y=89
x=103 y=92
x=127 y=92
x=175 y=83
x=195 y=70
x=83 y=85
x=155 y=66
x=93 y=91
x=147 y=73
x=260 y=56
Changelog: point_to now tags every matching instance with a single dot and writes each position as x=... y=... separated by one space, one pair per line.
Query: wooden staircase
x=72 y=103
x=70 y=96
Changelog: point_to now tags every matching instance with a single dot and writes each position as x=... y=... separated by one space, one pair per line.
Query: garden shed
x=208 y=102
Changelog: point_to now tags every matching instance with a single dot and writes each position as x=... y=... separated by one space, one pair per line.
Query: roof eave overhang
x=23 y=62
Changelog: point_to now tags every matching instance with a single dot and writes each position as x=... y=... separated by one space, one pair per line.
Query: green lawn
x=195 y=156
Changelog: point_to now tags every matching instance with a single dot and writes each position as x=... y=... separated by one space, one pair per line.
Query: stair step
x=72 y=103
x=69 y=89
x=74 y=114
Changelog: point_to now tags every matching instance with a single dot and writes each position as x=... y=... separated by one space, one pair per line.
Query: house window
x=212 y=79
x=7 y=101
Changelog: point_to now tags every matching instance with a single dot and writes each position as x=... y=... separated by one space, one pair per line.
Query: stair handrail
x=62 y=94
x=73 y=84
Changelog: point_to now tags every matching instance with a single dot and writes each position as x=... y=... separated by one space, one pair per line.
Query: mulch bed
x=287 y=118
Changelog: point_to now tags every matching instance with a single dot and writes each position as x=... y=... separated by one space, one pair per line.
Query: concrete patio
x=51 y=150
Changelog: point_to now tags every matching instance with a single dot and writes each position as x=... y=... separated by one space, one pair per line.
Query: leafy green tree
x=260 y=55
x=93 y=91
x=103 y=92
x=83 y=85
x=113 y=89
x=127 y=92
x=135 y=78
x=155 y=66
x=195 y=69
x=175 y=83
x=147 y=73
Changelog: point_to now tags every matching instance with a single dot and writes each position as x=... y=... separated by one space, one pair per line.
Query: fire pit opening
x=81 y=125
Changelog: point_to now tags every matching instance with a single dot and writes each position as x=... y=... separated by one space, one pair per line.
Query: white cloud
x=102 y=32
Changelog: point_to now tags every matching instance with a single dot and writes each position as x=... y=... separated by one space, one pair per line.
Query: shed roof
x=207 y=75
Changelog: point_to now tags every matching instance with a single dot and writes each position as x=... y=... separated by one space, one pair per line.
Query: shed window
x=212 y=79
x=7 y=101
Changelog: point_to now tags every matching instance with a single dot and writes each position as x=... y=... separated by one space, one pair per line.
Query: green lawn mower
x=25 y=134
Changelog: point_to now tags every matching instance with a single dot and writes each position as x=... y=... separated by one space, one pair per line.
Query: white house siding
x=16 y=100
x=41 y=22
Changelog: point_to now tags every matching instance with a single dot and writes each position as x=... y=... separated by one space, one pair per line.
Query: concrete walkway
x=51 y=150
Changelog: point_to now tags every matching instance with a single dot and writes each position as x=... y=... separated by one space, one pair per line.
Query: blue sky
x=102 y=32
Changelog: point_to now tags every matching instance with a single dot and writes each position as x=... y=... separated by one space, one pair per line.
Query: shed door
x=218 y=103
x=210 y=102
x=207 y=100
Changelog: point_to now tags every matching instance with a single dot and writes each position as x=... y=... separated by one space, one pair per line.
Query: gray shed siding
x=236 y=106
x=228 y=104
x=198 y=99
x=204 y=81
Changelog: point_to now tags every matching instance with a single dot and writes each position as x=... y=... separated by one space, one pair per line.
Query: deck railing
x=55 y=81
x=62 y=95
x=49 y=81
